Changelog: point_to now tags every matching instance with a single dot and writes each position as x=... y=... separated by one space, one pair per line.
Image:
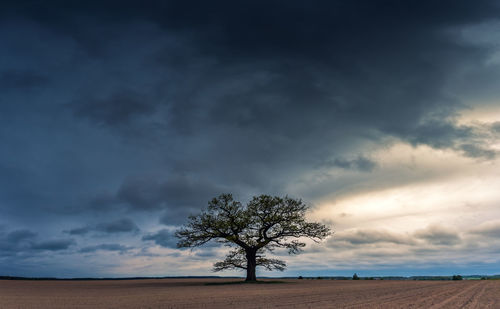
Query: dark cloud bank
x=118 y=109
x=23 y=241
x=118 y=226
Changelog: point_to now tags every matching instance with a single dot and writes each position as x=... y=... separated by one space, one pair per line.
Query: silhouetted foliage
x=457 y=277
x=264 y=224
x=355 y=277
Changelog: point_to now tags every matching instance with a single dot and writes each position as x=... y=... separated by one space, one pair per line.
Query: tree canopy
x=262 y=225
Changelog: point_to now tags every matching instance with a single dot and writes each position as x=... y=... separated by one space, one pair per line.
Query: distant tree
x=355 y=277
x=457 y=277
x=264 y=224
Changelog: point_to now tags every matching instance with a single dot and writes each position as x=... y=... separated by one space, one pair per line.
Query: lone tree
x=264 y=224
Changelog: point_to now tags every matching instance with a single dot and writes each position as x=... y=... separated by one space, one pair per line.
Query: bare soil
x=195 y=293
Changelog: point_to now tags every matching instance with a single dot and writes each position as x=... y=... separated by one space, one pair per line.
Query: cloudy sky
x=118 y=119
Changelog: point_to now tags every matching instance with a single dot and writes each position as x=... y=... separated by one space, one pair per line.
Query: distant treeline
x=437 y=278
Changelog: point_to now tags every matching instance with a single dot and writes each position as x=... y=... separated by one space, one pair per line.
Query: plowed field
x=194 y=293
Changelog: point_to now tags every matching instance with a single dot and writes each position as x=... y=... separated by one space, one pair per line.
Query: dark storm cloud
x=438 y=235
x=53 y=245
x=124 y=225
x=150 y=193
x=118 y=226
x=105 y=247
x=143 y=193
x=177 y=196
x=478 y=151
x=79 y=231
x=15 y=80
x=175 y=216
x=19 y=235
x=360 y=163
x=332 y=59
x=433 y=234
x=317 y=55
x=16 y=241
x=119 y=109
x=496 y=127
x=469 y=140
x=372 y=236
x=27 y=243
x=490 y=229
x=123 y=109
x=163 y=238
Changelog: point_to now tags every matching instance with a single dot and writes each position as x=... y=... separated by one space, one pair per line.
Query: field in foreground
x=195 y=293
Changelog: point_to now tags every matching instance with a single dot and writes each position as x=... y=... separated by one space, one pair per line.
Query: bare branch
x=235 y=259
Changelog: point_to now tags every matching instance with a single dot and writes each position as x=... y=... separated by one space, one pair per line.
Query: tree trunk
x=251 y=264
